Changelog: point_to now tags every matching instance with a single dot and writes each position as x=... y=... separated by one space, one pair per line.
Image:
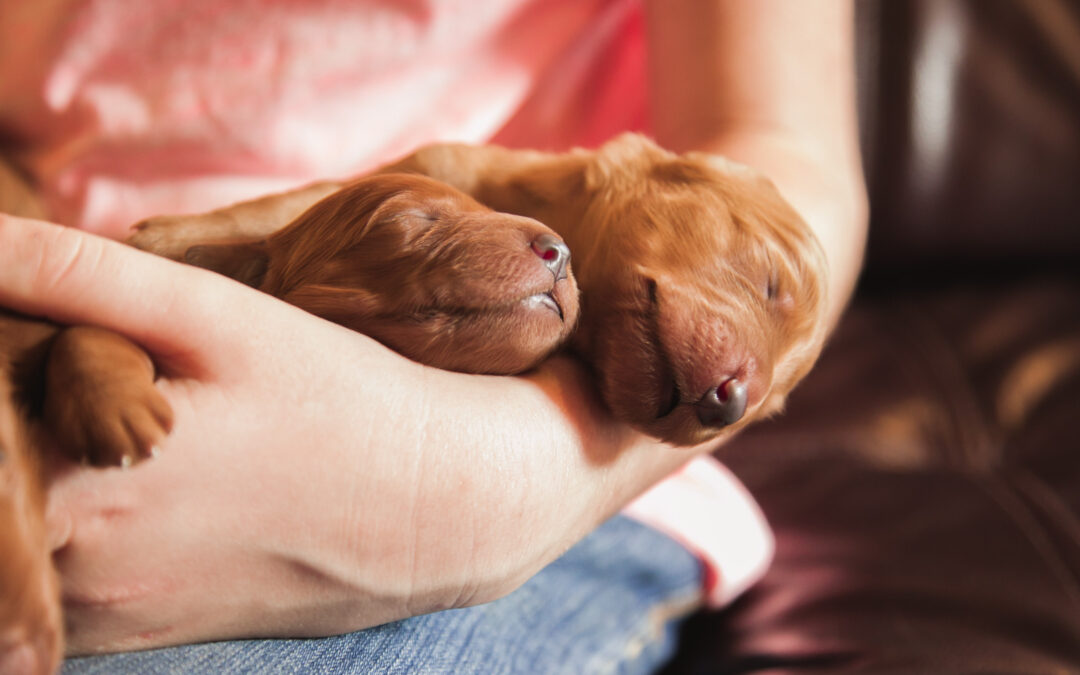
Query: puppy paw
x=171 y=236
x=120 y=429
x=101 y=404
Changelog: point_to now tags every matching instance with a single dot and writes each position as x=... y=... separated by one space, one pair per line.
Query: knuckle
x=64 y=260
x=38 y=260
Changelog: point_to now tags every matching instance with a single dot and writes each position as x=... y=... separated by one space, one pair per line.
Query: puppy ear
x=540 y=187
x=621 y=159
x=246 y=262
x=729 y=167
x=349 y=307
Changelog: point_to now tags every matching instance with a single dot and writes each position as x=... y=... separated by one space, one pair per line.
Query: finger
x=74 y=277
x=59 y=525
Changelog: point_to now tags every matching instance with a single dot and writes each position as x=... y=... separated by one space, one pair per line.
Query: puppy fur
x=694 y=272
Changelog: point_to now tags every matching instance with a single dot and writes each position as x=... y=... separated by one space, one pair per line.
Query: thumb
x=74 y=277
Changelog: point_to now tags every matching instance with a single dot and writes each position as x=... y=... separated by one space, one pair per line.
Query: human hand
x=315 y=482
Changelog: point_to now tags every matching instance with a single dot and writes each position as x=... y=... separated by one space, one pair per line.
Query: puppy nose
x=722 y=405
x=554 y=253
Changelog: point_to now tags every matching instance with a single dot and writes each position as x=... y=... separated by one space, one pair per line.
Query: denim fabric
x=611 y=604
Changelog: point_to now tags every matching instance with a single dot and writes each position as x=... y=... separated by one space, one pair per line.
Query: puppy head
x=424 y=269
x=704 y=306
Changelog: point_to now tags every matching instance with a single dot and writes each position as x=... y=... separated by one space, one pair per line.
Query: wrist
x=549 y=465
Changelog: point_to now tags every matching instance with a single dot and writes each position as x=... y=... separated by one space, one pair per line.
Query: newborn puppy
x=703 y=292
x=422 y=268
x=403 y=258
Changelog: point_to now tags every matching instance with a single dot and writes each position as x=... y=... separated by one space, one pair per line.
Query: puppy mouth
x=545 y=300
x=668 y=394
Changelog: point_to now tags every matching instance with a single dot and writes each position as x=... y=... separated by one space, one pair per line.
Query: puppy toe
x=118 y=432
x=160 y=410
x=112 y=443
x=145 y=432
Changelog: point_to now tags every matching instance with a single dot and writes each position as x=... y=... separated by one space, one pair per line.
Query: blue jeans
x=611 y=604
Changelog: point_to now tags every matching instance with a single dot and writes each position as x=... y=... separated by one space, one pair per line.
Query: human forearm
x=547 y=465
x=770 y=84
x=495 y=478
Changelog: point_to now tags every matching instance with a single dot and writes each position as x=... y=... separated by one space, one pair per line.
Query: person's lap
x=610 y=604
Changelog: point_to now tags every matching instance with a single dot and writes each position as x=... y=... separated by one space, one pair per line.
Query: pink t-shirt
x=121 y=110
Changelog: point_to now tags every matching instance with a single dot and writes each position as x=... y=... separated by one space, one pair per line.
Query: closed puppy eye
x=772 y=286
x=423 y=214
x=669 y=395
x=650 y=288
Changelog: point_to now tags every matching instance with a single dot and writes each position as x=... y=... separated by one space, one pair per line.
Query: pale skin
x=317 y=491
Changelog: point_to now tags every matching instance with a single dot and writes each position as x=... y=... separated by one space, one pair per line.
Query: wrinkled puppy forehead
x=429 y=202
x=748 y=214
x=693 y=228
x=405 y=192
x=424 y=217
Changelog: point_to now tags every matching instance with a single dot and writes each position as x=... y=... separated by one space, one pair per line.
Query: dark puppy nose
x=554 y=253
x=722 y=405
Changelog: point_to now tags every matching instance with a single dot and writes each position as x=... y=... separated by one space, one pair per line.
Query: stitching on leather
x=972 y=446
x=1046 y=501
x=1011 y=499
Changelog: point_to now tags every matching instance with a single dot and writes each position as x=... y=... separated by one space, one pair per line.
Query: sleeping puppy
x=426 y=271
x=403 y=258
x=703 y=292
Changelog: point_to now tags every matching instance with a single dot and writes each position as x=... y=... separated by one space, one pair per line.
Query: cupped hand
x=315 y=482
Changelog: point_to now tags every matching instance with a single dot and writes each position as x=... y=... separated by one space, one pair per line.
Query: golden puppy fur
x=703 y=292
x=693 y=270
x=428 y=271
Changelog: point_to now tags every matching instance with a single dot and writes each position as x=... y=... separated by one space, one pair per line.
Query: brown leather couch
x=924 y=485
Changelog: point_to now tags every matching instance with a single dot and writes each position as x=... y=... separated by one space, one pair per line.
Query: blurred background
x=924 y=484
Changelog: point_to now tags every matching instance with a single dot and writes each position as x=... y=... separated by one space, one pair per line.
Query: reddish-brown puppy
x=410 y=261
x=420 y=267
x=703 y=292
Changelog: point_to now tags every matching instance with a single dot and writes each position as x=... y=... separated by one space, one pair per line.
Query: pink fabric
x=705 y=508
x=121 y=110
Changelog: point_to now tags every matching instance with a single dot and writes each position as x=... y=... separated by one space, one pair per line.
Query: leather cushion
x=971 y=132
x=924 y=487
